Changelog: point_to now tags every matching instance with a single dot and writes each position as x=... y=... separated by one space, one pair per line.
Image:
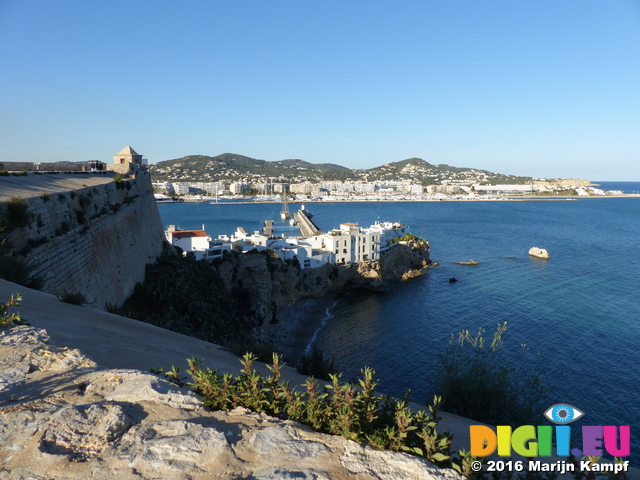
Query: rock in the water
x=539 y=253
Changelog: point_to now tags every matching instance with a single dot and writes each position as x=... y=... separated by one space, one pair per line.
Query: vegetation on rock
x=478 y=381
x=186 y=296
x=5 y=316
x=351 y=410
x=15 y=268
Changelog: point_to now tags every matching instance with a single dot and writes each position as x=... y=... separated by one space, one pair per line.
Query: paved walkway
x=33 y=185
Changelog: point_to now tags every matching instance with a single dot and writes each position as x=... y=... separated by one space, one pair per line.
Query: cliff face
x=262 y=287
x=94 y=241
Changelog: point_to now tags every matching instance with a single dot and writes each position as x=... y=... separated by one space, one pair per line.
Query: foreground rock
x=64 y=417
x=539 y=253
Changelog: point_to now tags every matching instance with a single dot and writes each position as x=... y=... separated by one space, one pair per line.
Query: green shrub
x=186 y=296
x=45 y=197
x=18 y=270
x=5 y=317
x=4 y=173
x=351 y=410
x=478 y=381
x=405 y=238
x=84 y=201
x=317 y=365
x=262 y=349
x=64 y=228
x=76 y=298
x=17 y=213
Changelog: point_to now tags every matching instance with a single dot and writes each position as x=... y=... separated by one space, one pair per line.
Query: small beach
x=298 y=323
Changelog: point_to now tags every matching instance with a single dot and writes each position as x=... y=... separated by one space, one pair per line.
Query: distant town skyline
x=541 y=89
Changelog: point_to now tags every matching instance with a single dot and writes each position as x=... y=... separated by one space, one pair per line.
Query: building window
x=344 y=250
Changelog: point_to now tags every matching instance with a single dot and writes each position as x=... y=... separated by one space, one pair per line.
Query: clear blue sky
x=547 y=88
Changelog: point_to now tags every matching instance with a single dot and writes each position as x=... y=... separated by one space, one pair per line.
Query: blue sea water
x=580 y=309
x=625 y=187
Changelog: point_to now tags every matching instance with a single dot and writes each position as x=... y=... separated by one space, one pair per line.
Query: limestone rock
x=82 y=431
x=22 y=335
x=135 y=386
x=13 y=375
x=539 y=253
x=273 y=473
x=70 y=420
x=172 y=446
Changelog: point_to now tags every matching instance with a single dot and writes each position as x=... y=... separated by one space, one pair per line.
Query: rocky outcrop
x=539 y=253
x=64 y=417
x=261 y=285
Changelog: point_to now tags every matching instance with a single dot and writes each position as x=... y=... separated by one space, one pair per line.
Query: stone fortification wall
x=94 y=240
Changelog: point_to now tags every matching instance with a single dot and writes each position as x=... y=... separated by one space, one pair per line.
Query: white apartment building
x=346 y=244
x=195 y=243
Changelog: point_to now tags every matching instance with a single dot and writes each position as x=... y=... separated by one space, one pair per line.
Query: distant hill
x=234 y=167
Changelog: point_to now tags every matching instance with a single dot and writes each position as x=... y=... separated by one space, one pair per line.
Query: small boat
x=470 y=262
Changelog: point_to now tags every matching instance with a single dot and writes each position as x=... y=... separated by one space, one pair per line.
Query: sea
x=579 y=310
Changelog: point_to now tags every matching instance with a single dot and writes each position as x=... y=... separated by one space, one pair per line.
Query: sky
x=544 y=89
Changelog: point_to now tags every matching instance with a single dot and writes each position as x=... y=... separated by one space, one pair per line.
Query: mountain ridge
x=237 y=167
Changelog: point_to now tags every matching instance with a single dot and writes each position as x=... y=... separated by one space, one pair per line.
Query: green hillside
x=234 y=167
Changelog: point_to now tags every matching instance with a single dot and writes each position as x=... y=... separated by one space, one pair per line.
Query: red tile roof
x=189 y=233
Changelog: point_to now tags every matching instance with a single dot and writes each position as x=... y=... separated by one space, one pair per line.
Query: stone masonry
x=95 y=240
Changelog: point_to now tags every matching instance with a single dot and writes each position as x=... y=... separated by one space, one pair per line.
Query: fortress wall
x=94 y=240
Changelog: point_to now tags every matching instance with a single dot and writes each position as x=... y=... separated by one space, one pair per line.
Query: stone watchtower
x=127 y=155
x=125 y=161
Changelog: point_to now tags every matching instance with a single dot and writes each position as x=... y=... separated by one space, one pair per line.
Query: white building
x=196 y=243
x=504 y=189
x=346 y=244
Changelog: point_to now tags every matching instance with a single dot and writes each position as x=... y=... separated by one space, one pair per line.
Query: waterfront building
x=349 y=243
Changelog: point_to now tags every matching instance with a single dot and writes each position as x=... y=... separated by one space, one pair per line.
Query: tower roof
x=128 y=151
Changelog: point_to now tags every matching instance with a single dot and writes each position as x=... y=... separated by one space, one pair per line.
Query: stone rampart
x=95 y=240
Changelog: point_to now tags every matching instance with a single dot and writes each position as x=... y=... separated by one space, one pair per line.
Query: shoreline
x=432 y=200
x=299 y=324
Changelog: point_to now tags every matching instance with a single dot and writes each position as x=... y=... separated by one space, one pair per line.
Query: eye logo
x=562 y=413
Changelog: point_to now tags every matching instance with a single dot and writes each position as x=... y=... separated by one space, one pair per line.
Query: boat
x=284 y=213
x=161 y=198
x=470 y=262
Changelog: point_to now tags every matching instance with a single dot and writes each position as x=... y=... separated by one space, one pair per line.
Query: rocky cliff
x=263 y=288
x=64 y=417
